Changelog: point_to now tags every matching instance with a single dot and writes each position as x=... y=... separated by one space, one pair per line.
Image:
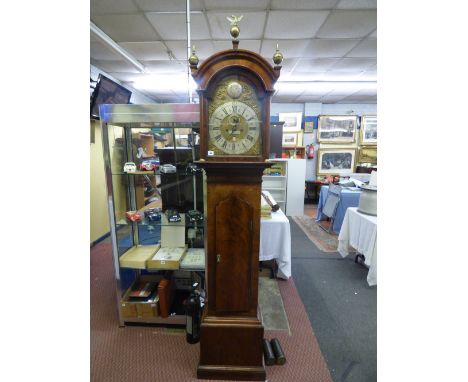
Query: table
x=275 y=242
x=360 y=232
x=349 y=198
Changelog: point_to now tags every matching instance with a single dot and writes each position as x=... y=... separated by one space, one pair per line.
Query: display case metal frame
x=127 y=117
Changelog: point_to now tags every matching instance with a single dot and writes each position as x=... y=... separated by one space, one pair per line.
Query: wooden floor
x=311 y=210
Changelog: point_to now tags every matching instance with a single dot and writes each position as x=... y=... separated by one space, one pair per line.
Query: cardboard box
x=128 y=309
x=147 y=309
x=194 y=259
x=167 y=258
x=137 y=256
x=140 y=309
x=172 y=234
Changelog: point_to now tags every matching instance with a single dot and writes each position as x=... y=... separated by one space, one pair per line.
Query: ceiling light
x=116 y=47
x=297 y=87
x=165 y=83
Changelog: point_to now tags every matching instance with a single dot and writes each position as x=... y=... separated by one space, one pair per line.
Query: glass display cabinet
x=156 y=207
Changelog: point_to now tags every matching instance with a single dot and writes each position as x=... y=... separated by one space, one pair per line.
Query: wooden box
x=137 y=256
x=167 y=258
x=140 y=309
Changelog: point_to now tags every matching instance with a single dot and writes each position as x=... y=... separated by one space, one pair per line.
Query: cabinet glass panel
x=155 y=195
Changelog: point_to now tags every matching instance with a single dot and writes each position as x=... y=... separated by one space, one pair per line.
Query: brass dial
x=234 y=128
x=234 y=119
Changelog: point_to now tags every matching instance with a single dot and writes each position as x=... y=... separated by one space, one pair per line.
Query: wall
x=99 y=224
x=309 y=109
x=315 y=109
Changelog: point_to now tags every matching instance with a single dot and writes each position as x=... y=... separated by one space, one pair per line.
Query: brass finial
x=193 y=59
x=278 y=56
x=235 y=30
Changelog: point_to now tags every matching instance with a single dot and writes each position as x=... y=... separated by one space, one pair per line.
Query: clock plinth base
x=231 y=348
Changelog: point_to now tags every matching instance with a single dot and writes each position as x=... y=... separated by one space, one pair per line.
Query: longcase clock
x=234 y=87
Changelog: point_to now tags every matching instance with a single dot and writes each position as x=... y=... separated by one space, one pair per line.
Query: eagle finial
x=234 y=20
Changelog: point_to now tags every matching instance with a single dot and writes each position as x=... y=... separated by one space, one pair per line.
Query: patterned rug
x=325 y=241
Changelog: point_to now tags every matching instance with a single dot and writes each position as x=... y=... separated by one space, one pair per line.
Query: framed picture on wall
x=368 y=130
x=368 y=155
x=309 y=127
x=290 y=139
x=337 y=128
x=292 y=121
x=336 y=161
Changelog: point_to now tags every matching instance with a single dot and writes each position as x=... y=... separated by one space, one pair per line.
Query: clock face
x=234 y=128
x=234 y=120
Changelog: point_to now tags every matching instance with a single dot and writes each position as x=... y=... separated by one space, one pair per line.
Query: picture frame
x=336 y=161
x=292 y=122
x=368 y=155
x=289 y=140
x=368 y=133
x=309 y=127
x=337 y=129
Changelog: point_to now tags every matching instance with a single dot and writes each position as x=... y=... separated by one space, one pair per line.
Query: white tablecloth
x=275 y=242
x=360 y=232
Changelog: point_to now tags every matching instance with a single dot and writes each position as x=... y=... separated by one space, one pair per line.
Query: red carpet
x=140 y=354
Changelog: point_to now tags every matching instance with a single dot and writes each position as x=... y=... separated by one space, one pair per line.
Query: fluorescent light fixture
x=298 y=88
x=117 y=48
x=176 y=83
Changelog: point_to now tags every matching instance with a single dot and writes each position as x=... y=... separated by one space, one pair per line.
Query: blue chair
x=330 y=205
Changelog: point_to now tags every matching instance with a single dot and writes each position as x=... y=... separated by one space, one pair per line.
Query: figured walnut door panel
x=233 y=248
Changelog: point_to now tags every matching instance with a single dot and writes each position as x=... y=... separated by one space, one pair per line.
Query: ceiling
x=329 y=46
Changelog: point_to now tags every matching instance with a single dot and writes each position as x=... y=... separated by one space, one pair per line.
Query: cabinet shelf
x=177 y=319
x=157 y=224
x=286 y=189
x=136 y=173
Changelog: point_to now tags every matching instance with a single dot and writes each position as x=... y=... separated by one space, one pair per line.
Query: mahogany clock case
x=254 y=71
x=231 y=341
x=248 y=107
x=231 y=332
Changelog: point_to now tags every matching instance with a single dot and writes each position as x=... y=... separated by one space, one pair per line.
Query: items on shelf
x=194 y=259
x=138 y=256
x=166 y=293
x=149 y=164
x=173 y=216
x=194 y=216
x=168 y=169
x=172 y=234
x=153 y=214
x=142 y=291
x=129 y=167
x=167 y=258
x=133 y=216
x=141 y=299
x=276 y=169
